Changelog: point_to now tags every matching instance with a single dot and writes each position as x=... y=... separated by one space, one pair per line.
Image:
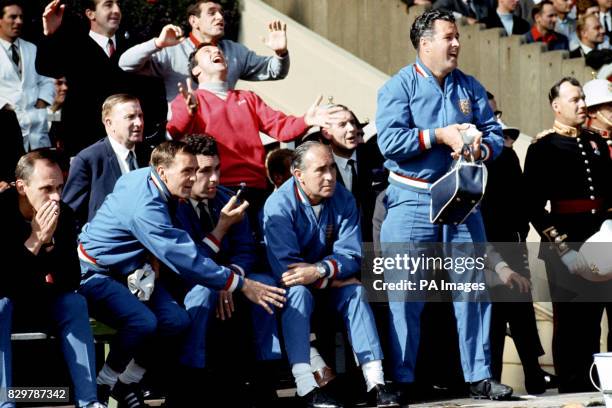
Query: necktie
x=355 y=182
x=110 y=47
x=206 y=221
x=131 y=161
x=15 y=54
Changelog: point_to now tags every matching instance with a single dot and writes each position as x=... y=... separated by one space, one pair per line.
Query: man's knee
x=174 y=323
x=299 y=295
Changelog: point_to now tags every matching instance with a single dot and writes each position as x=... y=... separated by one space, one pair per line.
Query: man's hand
x=225 y=305
x=170 y=35
x=470 y=20
x=52 y=17
x=322 y=116
x=277 y=38
x=264 y=295
x=188 y=96
x=300 y=273
x=4 y=185
x=511 y=278
x=40 y=104
x=43 y=225
x=230 y=214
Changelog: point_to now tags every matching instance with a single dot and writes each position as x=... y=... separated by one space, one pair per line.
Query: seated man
x=235 y=118
x=96 y=169
x=135 y=223
x=543 y=29
x=313 y=239
x=39 y=237
x=206 y=215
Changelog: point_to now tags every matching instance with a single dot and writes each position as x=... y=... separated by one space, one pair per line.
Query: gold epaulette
x=543 y=133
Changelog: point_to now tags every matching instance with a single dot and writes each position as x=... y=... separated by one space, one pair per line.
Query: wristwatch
x=321 y=269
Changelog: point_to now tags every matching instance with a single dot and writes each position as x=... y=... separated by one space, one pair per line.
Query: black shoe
x=538 y=383
x=490 y=389
x=128 y=395
x=384 y=397
x=317 y=398
x=103 y=391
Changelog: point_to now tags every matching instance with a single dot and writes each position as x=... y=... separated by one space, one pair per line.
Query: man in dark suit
x=94 y=171
x=90 y=65
x=12 y=148
x=591 y=35
x=356 y=164
x=505 y=18
x=40 y=238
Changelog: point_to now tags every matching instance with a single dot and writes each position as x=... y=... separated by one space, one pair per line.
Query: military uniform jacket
x=293 y=232
x=411 y=105
x=139 y=217
x=574 y=174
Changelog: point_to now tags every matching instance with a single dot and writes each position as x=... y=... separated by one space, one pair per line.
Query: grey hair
x=297 y=160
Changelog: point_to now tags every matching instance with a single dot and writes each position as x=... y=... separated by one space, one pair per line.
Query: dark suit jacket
x=12 y=144
x=28 y=276
x=93 y=174
x=92 y=76
x=483 y=8
x=577 y=53
x=519 y=27
x=369 y=167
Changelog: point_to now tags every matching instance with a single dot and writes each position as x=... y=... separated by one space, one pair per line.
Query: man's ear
x=196 y=71
x=161 y=170
x=325 y=134
x=20 y=186
x=298 y=174
x=555 y=105
x=90 y=14
x=193 y=20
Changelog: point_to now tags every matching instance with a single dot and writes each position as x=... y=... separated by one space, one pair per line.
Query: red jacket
x=235 y=124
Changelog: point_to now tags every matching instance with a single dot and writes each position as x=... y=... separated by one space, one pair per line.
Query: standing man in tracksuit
x=421 y=113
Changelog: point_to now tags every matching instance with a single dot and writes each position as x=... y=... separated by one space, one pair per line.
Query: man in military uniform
x=598 y=98
x=578 y=188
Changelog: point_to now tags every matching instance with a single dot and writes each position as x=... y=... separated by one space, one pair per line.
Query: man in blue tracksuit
x=207 y=213
x=422 y=111
x=313 y=240
x=137 y=223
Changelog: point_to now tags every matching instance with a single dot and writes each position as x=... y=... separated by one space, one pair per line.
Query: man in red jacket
x=234 y=119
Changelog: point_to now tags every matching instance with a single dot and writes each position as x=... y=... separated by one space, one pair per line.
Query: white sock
x=304 y=379
x=133 y=373
x=107 y=376
x=373 y=373
x=316 y=361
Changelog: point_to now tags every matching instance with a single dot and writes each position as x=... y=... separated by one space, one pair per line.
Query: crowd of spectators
x=138 y=192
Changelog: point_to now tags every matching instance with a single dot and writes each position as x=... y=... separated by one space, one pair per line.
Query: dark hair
x=194 y=9
x=164 y=153
x=192 y=59
x=202 y=144
x=537 y=9
x=423 y=25
x=554 y=91
x=25 y=165
x=297 y=161
x=89 y=5
x=6 y=3
x=275 y=162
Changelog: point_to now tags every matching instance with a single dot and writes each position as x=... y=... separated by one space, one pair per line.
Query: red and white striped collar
x=421 y=70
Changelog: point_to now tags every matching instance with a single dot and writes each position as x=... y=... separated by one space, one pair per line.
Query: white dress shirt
x=102 y=41
x=345 y=169
x=122 y=154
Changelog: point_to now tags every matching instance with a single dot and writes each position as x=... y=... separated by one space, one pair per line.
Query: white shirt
x=122 y=154
x=195 y=203
x=507 y=21
x=7 y=48
x=102 y=41
x=585 y=49
x=345 y=169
